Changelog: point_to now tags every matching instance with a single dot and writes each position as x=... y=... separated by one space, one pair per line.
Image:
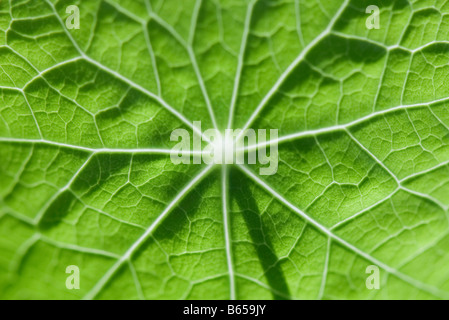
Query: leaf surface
x=86 y=176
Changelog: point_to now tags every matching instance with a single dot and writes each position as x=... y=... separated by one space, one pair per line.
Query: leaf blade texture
x=86 y=178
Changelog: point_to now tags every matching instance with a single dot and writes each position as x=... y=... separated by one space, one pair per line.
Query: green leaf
x=86 y=177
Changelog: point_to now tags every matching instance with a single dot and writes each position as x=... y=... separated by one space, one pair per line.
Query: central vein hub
x=222 y=149
x=226 y=147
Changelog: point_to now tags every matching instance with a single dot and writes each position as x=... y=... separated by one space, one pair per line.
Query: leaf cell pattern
x=86 y=177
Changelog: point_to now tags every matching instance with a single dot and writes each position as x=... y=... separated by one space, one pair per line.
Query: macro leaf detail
x=87 y=183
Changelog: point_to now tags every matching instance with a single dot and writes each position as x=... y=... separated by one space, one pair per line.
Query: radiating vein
x=189 y=48
x=241 y=59
x=263 y=285
x=124 y=79
x=325 y=269
x=126 y=258
x=153 y=59
x=416 y=283
x=103 y=150
x=342 y=127
x=292 y=67
x=47 y=205
x=128 y=254
x=227 y=230
x=136 y=281
x=77 y=248
x=398 y=182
